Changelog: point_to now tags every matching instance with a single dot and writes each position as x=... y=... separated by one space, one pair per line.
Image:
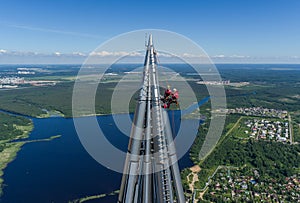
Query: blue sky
x=252 y=28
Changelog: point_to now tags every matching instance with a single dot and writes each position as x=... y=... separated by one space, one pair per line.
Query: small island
x=94 y=197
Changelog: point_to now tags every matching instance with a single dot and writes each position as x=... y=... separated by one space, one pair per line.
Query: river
x=61 y=170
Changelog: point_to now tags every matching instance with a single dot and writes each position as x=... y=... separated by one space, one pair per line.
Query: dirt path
x=291 y=129
x=202 y=193
x=194 y=174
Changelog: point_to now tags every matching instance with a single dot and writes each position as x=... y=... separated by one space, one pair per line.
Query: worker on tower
x=175 y=96
x=170 y=97
x=168 y=92
x=167 y=97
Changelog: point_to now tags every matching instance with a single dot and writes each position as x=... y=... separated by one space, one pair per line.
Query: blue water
x=61 y=170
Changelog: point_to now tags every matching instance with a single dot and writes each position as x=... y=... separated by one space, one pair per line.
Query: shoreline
x=13 y=146
x=57 y=114
x=11 y=150
x=94 y=197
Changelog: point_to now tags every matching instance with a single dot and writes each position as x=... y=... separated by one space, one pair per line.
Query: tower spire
x=150 y=42
x=151 y=173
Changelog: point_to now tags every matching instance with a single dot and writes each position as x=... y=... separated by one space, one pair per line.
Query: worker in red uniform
x=175 y=96
x=170 y=97
x=167 y=97
x=168 y=92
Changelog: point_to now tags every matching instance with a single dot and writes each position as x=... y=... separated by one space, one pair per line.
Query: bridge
x=151 y=173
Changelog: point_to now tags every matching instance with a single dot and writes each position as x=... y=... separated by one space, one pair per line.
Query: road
x=291 y=129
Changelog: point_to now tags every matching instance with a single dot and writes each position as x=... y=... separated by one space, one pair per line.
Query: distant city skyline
x=232 y=31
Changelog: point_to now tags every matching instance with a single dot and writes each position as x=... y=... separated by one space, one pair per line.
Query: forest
x=8 y=129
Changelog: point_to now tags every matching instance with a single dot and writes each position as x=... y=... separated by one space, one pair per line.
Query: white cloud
x=2 y=51
x=57 y=53
x=22 y=53
x=78 y=54
x=239 y=56
x=135 y=54
x=102 y=53
x=163 y=54
x=190 y=55
x=115 y=54
x=234 y=56
x=219 y=56
x=30 y=53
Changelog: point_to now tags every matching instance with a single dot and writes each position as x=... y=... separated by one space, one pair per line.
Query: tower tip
x=150 y=42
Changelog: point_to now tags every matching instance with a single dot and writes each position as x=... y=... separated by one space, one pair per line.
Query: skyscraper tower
x=151 y=173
